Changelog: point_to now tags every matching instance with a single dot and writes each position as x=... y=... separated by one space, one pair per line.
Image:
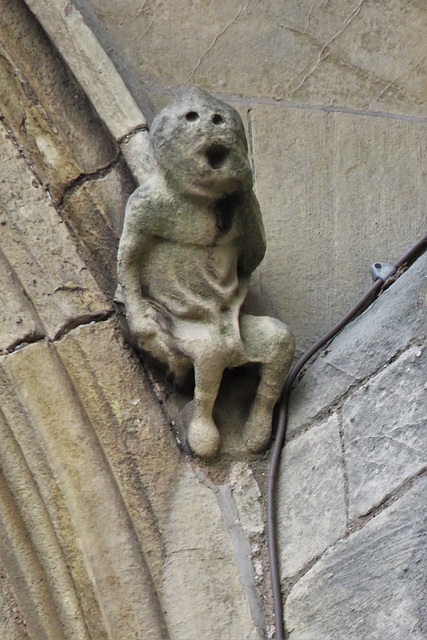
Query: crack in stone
x=29 y=338
x=200 y=60
x=387 y=501
x=301 y=32
x=354 y=526
x=392 y=82
x=151 y=21
x=308 y=17
x=337 y=403
x=141 y=8
x=324 y=52
x=82 y=178
x=288 y=583
x=75 y=323
x=344 y=467
x=404 y=445
x=82 y=321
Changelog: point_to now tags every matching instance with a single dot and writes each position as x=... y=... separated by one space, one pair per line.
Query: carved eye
x=217 y=119
x=192 y=116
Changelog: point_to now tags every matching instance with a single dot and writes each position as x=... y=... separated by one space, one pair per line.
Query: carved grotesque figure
x=193 y=234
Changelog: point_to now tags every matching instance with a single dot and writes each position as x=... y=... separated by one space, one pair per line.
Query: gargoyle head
x=200 y=143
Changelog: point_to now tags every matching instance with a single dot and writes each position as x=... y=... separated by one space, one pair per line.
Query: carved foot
x=203 y=437
x=257 y=429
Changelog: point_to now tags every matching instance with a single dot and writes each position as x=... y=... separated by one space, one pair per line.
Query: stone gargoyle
x=192 y=236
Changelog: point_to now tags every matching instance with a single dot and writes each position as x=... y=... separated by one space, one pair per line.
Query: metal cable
x=282 y=420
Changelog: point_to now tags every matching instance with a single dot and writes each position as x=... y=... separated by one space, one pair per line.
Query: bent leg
x=269 y=342
x=203 y=435
x=206 y=349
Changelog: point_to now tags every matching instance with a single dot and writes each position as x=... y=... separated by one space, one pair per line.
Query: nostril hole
x=192 y=116
x=217 y=119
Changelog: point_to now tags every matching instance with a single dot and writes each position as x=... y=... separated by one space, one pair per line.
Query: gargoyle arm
x=133 y=251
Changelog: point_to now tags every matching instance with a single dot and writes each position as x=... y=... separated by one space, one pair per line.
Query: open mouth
x=216 y=155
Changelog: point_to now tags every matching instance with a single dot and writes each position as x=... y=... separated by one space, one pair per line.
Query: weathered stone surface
x=370 y=585
x=385 y=434
x=94 y=481
x=310 y=504
x=78 y=504
x=90 y=64
x=249 y=572
x=198 y=551
x=356 y=54
x=131 y=427
x=338 y=192
x=12 y=624
x=39 y=255
x=136 y=152
x=18 y=317
x=192 y=236
x=309 y=28
x=46 y=108
x=375 y=61
x=88 y=384
x=95 y=210
x=388 y=326
x=247 y=497
x=294 y=190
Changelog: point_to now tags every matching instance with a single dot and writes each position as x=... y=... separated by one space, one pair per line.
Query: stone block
x=129 y=423
x=78 y=502
x=391 y=323
x=12 y=624
x=95 y=211
x=356 y=54
x=40 y=258
x=294 y=190
x=44 y=105
x=310 y=504
x=204 y=597
x=90 y=64
x=385 y=431
x=18 y=318
x=370 y=585
x=338 y=192
x=103 y=494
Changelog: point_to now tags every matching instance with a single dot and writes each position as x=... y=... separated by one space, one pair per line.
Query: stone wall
x=352 y=514
x=108 y=529
x=333 y=94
